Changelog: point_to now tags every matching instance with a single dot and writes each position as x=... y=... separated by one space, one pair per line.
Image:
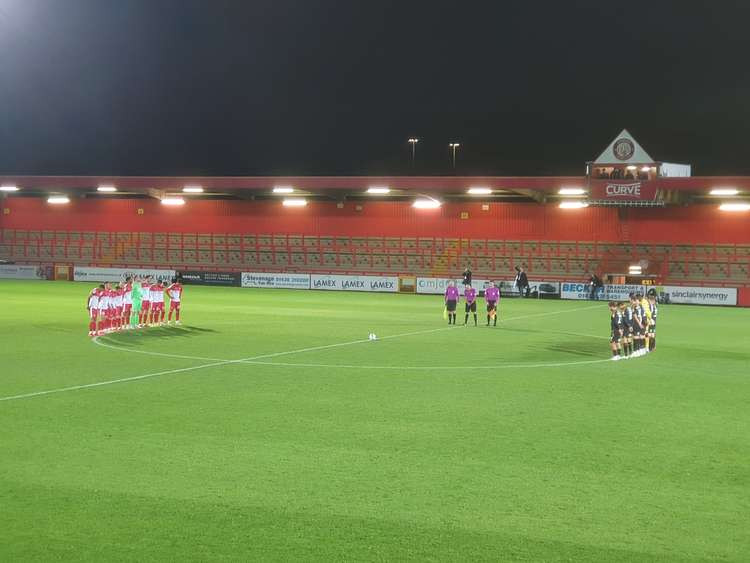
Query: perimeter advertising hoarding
x=210 y=278
x=548 y=289
x=17 y=272
x=82 y=273
x=276 y=280
x=666 y=294
x=381 y=284
x=700 y=295
x=436 y=286
x=580 y=290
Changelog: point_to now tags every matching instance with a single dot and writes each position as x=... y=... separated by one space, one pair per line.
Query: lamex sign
x=354 y=283
x=623 y=191
x=275 y=280
x=81 y=273
x=612 y=292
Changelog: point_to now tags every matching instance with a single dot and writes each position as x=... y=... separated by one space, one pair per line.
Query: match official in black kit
x=467 y=275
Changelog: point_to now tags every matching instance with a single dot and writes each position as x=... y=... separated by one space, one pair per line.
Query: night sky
x=250 y=87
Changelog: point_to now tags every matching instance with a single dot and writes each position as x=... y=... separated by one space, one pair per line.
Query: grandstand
x=722 y=264
x=671 y=224
x=679 y=245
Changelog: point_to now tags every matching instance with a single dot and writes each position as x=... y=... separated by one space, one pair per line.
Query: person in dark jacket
x=522 y=282
x=467 y=275
x=595 y=286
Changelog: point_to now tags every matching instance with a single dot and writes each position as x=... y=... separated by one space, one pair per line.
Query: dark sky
x=316 y=87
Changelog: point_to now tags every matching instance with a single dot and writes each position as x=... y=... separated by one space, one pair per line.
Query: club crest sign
x=623 y=149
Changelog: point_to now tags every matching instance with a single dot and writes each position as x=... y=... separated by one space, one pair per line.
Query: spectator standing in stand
x=467 y=275
x=521 y=282
x=595 y=286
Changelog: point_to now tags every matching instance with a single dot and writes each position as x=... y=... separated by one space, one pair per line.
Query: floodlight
x=426 y=203
x=573 y=204
x=173 y=201
x=571 y=191
x=294 y=202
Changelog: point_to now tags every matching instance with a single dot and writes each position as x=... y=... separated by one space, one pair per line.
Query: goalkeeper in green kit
x=136 y=297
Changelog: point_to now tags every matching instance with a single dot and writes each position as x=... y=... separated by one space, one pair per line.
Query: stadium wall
x=519 y=221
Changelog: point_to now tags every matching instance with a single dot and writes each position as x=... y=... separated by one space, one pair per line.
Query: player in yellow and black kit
x=626 y=342
x=638 y=326
x=616 y=327
x=646 y=322
x=641 y=323
x=654 y=309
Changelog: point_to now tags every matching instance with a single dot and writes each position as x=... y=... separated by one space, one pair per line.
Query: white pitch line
x=214 y=362
x=110 y=382
x=253 y=359
x=97 y=340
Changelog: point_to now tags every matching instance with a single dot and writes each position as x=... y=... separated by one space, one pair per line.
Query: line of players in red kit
x=114 y=307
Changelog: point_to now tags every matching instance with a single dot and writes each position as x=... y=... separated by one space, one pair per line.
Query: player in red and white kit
x=93 y=309
x=145 y=302
x=174 y=292
x=117 y=296
x=157 y=304
x=127 y=303
x=112 y=307
x=104 y=312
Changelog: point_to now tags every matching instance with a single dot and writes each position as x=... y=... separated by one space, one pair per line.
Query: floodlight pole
x=454 y=146
x=413 y=141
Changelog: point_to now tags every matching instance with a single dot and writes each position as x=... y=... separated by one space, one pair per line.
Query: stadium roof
x=539 y=188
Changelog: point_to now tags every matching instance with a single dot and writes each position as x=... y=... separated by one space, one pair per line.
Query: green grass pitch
x=514 y=443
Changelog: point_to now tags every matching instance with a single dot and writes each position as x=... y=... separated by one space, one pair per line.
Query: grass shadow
x=581 y=348
x=132 y=338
